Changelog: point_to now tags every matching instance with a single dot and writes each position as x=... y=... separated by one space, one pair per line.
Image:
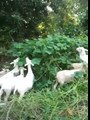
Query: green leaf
x=36 y=61
x=20 y=63
x=37 y=51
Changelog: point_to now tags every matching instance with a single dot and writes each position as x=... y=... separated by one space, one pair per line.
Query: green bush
x=49 y=55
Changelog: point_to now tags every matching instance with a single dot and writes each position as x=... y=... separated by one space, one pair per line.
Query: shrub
x=49 y=55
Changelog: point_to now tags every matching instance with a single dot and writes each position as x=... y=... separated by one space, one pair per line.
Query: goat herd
x=13 y=81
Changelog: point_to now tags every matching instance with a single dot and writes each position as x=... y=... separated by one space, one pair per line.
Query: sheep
x=66 y=76
x=3 y=72
x=7 y=87
x=25 y=83
x=82 y=54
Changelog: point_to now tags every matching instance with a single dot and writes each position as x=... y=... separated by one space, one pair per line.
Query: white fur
x=7 y=87
x=77 y=65
x=25 y=83
x=7 y=81
x=49 y=9
x=3 y=72
x=65 y=76
x=82 y=54
x=10 y=74
x=19 y=78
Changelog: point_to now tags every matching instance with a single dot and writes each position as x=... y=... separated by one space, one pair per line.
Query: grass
x=69 y=102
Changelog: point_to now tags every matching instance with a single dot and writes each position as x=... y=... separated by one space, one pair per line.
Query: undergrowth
x=68 y=102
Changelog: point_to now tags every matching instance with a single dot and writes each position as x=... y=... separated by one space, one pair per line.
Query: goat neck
x=29 y=69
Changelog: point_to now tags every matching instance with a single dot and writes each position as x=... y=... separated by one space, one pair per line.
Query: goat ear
x=32 y=64
x=25 y=65
x=12 y=63
x=86 y=50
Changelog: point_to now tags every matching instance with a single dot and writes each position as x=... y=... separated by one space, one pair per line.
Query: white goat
x=65 y=76
x=19 y=78
x=10 y=74
x=82 y=54
x=10 y=85
x=8 y=77
x=77 y=65
x=25 y=83
x=16 y=68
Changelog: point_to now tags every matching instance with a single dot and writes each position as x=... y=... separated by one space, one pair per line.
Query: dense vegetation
x=67 y=103
x=50 y=41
